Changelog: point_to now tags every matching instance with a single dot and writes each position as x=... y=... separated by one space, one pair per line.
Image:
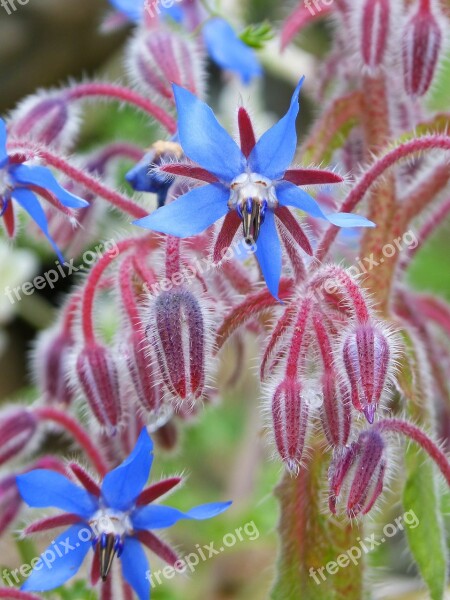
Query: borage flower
x=21 y=182
x=252 y=184
x=115 y=519
x=222 y=44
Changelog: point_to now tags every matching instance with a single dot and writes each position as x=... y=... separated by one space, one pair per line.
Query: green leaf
x=427 y=540
x=256 y=36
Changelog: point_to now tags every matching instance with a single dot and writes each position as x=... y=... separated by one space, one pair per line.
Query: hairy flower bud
x=157 y=57
x=178 y=332
x=422 y=40
x=148 y=392
x=17 y=428
x=367 y=358
x=336 y=410
x=357 y=473
x=375 y=26
x=45 y=118
x=50 y=360
x=98 y=377
x=290 y=420
x=10 y=502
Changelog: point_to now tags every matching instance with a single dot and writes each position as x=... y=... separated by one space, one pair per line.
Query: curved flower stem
x=99 y=161
x=78 y=175
x=92 y=282
x=421 y=438
x=384 y=163
x=123 y=94
x=172 y=256
x=48 y=413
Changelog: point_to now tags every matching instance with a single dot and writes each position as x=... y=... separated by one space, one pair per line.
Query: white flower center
x=251 y=196
x=109 y=521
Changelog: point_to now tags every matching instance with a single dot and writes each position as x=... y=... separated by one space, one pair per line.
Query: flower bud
x=422 y=40
x=178 y=333
x=148 y=392
x=367 y=358
x=45 y=118
x=375 y=28
x=17 y=428
x=10 y=502
x=356 y=474
x=157 y=58
x=98 y=377
x=335 y=410
x=50 y=359
x=290 y=421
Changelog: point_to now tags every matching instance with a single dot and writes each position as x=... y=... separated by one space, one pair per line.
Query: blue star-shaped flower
x=21 y=183
x=252 y=184
x=224 y=47
x=113 y=519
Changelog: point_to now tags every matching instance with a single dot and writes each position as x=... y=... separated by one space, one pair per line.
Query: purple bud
x=422 y=40
x=178 y=332
x=290 y=420
x=376 y=16
x=367 y=358
x=50 y=359
x=10 y=502
x=98 y=377
x=45 y=118
x=17 y=428
x=356 y=474
x=336 y=410
x=148 y=392
x=158 y=57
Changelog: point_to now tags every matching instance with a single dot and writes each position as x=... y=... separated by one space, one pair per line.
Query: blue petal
x=53 y=570
x=228 y=51
x=123 y=485
x=135 y=568
x=42 y=488
x=189 y=214
x=133 y=9
x=142 y=179
x=349 y=220
x=3 y=136
x=275 y=150
x=204 y=140
x=289 y=194
x=268 y=253
x=43 y=178
x=159 y=517
x=30 y=203
x=175 y=13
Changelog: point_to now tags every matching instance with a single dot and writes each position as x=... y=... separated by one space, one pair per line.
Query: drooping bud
x=97 y=375
x=17 y=428
x=336 y=410
x=375 y=29
x=367 y=359
x=356 y=474
x=46 y=118
x=148 y=392
x=290 y=421
x=10 y=502
x=50 y=361
x=422 y=40
x=158 y=57
x=178 y=333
